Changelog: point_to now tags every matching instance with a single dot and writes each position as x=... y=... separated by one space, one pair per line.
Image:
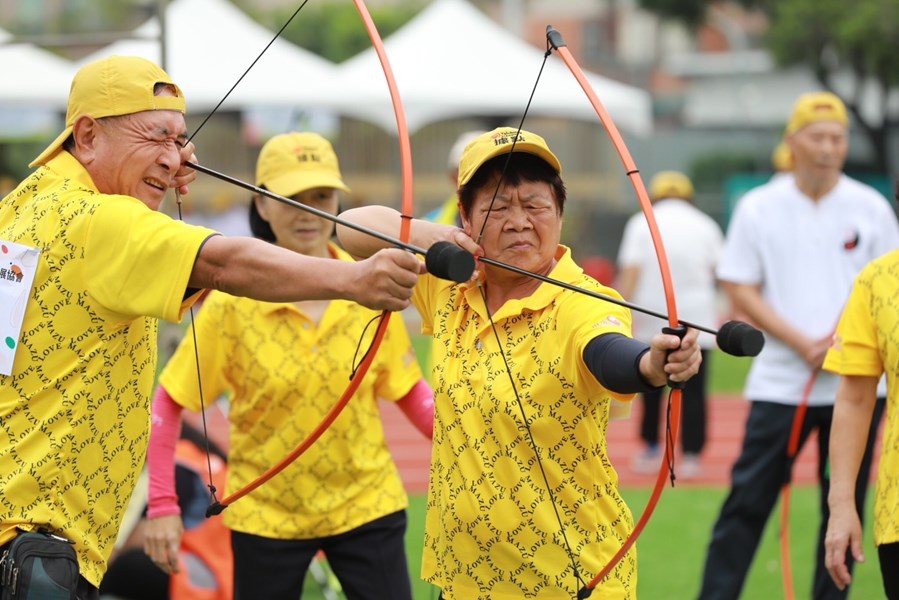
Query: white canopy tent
x=33 y=76
x=209 y=45
x=453 y=61
x=35 y=90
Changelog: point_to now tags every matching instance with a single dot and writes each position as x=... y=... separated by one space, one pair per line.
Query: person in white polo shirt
x=792 y=251
x=693 y=242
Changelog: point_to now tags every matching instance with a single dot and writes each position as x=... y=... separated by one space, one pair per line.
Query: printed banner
x=18 y=265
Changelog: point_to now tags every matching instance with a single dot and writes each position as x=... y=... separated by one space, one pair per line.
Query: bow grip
x=680 y=331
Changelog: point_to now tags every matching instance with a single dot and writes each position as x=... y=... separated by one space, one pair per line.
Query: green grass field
x=727 y=373
x=672 y=548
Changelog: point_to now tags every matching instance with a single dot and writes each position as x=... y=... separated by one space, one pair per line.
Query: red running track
x=726 y=420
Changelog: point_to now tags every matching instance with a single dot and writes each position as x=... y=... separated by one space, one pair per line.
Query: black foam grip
x=680 y=331
x=448 y=261
x=740 y=339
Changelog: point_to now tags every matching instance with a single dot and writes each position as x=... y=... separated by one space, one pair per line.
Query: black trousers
x=133 y=576
x=693 y=412
x=756 y=480
x=369 y=561
x=889 y=569
x=86 y=590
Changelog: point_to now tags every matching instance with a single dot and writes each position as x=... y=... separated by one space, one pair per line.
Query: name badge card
x=18 y=265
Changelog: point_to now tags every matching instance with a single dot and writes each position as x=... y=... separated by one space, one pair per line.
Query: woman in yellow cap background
x=285 y=365
x=494 y=530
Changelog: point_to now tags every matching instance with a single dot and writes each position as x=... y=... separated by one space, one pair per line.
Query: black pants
x=133 y=576
x=369 y=562
x=86 y=590
x=756 y=480
x=889 y=569
x=693 y=413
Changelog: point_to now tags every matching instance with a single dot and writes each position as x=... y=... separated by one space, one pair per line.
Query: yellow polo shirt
x=491 y=529
x=866 y=344
x=74 y=413
x=284 y=372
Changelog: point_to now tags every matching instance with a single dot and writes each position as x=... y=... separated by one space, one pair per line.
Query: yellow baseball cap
x=501 y=141
x=670 y=184
x=291 y=163
x=814 y=107
x=111 y=87
x=782 y=157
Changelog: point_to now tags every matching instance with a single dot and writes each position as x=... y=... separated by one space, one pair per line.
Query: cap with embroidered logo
x=112 y=87
x=813 y=107
x=291 y=163
x=503 y=140
x=670 y=184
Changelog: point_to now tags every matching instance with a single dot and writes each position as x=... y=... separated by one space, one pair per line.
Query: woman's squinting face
x=523 y=225
x=297 y=229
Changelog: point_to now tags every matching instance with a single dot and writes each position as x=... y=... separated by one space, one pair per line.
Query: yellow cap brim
x=295 y=182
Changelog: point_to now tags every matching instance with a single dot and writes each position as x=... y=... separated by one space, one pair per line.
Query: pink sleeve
x=418 y=406
x=164 y=434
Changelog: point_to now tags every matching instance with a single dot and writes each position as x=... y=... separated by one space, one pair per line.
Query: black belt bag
x=38 y=566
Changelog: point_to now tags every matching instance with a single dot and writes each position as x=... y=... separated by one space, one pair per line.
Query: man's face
x=138 y=155
x=820 y=148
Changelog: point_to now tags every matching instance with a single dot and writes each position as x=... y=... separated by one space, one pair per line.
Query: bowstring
x=512 y=149
x=483 y=292
x=675 y=394
x=372 y=29
x=178 y=203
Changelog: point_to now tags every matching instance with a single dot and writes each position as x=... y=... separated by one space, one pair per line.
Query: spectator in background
x=448 y=212
x=792 y=251
x=865 y=347
x=693 y=242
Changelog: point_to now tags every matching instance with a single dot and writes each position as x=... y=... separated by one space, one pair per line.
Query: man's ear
x=84 y=134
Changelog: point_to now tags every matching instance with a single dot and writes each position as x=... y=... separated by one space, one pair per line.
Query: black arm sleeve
x=614 y=360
